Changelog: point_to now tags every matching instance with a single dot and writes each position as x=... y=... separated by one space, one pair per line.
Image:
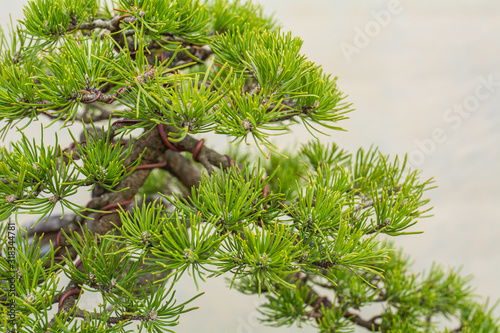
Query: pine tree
x=303 y=229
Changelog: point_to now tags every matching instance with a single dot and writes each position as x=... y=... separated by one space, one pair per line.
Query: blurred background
x=424 y=78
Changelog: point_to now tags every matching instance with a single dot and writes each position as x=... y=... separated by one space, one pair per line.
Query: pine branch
x=370 y=324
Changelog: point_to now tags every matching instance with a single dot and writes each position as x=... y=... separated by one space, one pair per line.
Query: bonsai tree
x=309 y=229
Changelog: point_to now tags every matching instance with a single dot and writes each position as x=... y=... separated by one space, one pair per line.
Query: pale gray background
x=427 y=59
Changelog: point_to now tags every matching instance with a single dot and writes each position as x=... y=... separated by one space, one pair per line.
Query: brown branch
x=178 y=165
x=283 y=118
x=292 y=106
x=69 y=294
x=379 y=227
x=57 y=297
x=81 y=313
x=111 y=320
x=97 y=96
x=68 y=298
x=354 y=318
x=368 y=324
x=189 y=144
x=182 y=168
x=110 y=25
x=379 y=198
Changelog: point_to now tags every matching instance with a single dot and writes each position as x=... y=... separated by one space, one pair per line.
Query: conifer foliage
x=300 y=228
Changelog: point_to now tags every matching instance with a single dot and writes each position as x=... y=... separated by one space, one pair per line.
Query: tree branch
x=354 y=318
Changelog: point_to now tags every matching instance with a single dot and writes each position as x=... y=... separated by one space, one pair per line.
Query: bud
x=30 y=298
x=188 y=255
x=247 y=125
x=144 y=237
x=153 y=315
x=103 y=171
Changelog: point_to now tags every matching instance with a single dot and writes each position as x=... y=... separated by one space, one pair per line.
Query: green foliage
x=35 y=284
x=34 y=181
x=50 y=19
x=477 y=318
x=196 y=100
x=321 y=102
x=288 y=170
x=113 y=273
x=104 y=268
x=17 y=96
x=158 y=316
x=103 y=160
x=317 y=154
x=185 y=19
x=181 y=250
x=227 y=14
x=187 y=103
x=333 y=320
x=286 y=85
x=36 y=178
x=76 y=68
x=240 y=199
x=250 y=114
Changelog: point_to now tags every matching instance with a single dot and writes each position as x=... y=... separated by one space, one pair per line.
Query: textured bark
x=183 y=169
